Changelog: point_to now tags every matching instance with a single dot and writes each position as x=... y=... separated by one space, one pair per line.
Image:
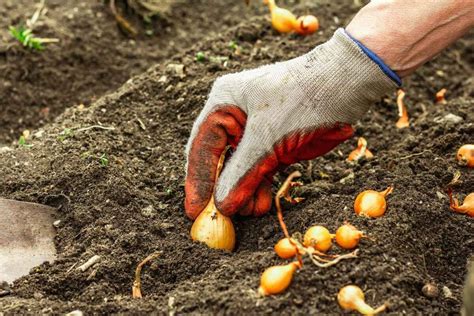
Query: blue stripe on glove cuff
x=376 y=59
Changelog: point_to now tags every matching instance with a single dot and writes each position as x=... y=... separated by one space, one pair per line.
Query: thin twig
x=89 y=263
x=72 y=267
x=109 y=128
x=137 y=283
x=121 y=20
x=413 y=155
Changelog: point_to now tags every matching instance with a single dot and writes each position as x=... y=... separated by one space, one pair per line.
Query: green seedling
x=26 y=37
x=233 y=45
x=24 y=34
x=65 y=134
x=103 y=160
x=22 y=142
x=200 y=57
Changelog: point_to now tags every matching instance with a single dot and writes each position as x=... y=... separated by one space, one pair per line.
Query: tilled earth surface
x=94 y=55
x=133 y=206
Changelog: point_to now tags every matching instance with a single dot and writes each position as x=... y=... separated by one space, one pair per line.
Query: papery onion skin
x=214 y=229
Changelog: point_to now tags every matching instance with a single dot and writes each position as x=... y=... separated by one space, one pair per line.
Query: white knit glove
x=274 y=116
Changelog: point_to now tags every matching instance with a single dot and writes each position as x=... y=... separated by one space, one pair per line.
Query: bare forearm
x=407 y=33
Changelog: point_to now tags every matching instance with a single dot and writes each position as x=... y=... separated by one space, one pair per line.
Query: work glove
x=277 y=115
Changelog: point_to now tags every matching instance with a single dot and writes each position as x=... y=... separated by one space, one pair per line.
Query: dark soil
x=134 y=206
x=94 y=55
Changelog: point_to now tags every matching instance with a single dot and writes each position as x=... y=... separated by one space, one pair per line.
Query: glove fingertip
x=192 y=210
x=263 y=199
x=227 y=207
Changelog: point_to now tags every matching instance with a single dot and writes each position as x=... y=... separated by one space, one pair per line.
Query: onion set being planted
x=351 y=298
x=211 y=226
x=372 y=203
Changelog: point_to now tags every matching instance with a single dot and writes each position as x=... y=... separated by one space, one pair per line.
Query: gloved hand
x=274 y=116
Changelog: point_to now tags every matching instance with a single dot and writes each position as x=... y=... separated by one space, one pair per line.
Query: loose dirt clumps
x=94 y=55
x=132 y=205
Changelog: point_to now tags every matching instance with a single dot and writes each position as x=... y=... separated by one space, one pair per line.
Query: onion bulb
x=213 y=228
x=371 y=203
x=360 y=151
x=352 y=298
x=285 y=249
x=282 y=20
x=318 y=237
x=440 y=96
x=348 y=237
x=403 y=120
x=276 y=279
x=465 y=155
x=467 y=206
x=306 y=24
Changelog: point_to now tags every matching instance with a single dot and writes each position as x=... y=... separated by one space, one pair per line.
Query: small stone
x=163 y=79
x=166 y=226
x=109 y=226
x=440 y=195
x=38 y=134
x=75 y=313
x=178 y=69
x=148 y=211
x=449 y=118
x=38 y=296
x=162 y=206
x=57 y=223
x=5 y=149
x=430 y=290
x=447 y=292
x=347 y=179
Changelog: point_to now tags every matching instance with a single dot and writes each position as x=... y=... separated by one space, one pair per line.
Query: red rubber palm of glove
x=252 y=195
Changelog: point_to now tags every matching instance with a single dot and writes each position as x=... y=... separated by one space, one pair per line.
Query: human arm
x=407 y=33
